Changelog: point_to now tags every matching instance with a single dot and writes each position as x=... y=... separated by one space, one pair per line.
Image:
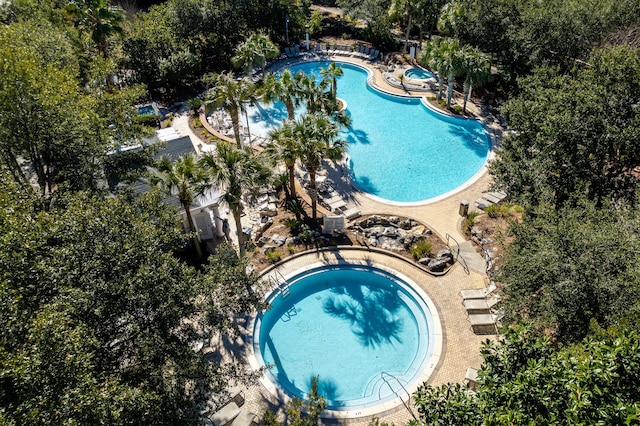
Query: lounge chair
x=366 y=52
x=478 y=293
x=471 y=377
x=245 y=418
x=226 y=414
x=374 y=54
x=489 y=198
x=480 y=306
x=351 y=213
x=295 y=50
x=484 y=323
x=287 y=51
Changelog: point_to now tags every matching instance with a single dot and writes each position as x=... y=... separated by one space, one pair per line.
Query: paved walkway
x=461 y=345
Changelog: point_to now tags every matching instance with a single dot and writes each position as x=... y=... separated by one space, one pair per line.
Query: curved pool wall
x=401 y=151
x=383 y=392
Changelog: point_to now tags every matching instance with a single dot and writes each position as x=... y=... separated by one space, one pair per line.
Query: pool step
x=290 y=313
x=284 y=290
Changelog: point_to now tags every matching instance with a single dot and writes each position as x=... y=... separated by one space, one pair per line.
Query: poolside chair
x=245 y=418
x=478 y=293
x=366 y=52
x=287 y=51
x=351 y=213
x=225 y=415
x=483 y=323
x=323 y=48
x=374 y=54
x=480 y=306
x=296 y=51
x=489 y=198
x=471 y=377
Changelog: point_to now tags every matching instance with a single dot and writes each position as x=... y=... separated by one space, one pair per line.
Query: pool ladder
x=283 y=287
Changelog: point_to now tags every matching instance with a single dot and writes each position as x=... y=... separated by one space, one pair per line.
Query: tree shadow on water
x=372 y=313
x=326 y=388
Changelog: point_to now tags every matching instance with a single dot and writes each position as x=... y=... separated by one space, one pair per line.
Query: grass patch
x=421 y=249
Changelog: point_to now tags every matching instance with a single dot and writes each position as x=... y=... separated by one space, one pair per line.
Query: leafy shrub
x=442 y=103
x=421 y=249
x=196 y=122
x=146 y=119
x=305 y=236
x=471 y=217
x=272 y=256
x=290 y=223
x=291 y=248
x=457 y=108
x=498 y=210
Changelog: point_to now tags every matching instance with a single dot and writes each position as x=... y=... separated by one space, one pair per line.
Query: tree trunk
x=235 y=210
x=193 y=230
x=449 y=89
x=313 y=193
x=235 y=120
x=290 y=109
x=440 y=85
x=406 y=35
x=468 y=86
x=292 y=181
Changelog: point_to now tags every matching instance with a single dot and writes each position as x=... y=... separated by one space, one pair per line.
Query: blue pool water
x=418 y=74
x=145 y=110
x=399 y=149
x=360 y=330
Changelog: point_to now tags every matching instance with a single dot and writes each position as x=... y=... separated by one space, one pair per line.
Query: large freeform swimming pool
x=400 y=150
x=367 y=335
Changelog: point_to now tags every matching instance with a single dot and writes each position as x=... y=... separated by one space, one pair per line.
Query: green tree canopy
x=100 y=317
x=525 y=380
x=574 y=135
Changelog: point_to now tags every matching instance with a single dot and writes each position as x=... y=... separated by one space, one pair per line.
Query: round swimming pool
x=400 y=150
x=418 y=74
x=366 y=334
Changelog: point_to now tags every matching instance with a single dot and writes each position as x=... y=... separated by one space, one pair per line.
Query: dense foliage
x=526 y=380
x=574 y=135
x=100 y=317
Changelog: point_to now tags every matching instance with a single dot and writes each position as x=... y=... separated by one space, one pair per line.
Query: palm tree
x=402 y=10
x=100 y=19
x=443 y=55
x=186 y=180
x=317 y=134
x=285 y=146
x=314 y=94
x=245 y=57
x=230 y=94
x=286 y=89
x=236 y=171
x=332 y=72
x=477 y=70
x=255 y=50
x=265 y=49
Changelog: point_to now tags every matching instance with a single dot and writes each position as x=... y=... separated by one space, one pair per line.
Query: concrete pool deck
x=461 y=347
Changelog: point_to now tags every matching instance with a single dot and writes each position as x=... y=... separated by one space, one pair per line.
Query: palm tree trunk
x=468 y=87
x=193 y=230
x=292 y=181
x=314 y=194
x=235 y=120
x=290 y=109
x=406 y=35
x=449 y=89
x=235 y=210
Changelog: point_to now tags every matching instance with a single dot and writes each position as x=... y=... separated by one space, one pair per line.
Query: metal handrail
x=459 y=258
x=382 y=374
